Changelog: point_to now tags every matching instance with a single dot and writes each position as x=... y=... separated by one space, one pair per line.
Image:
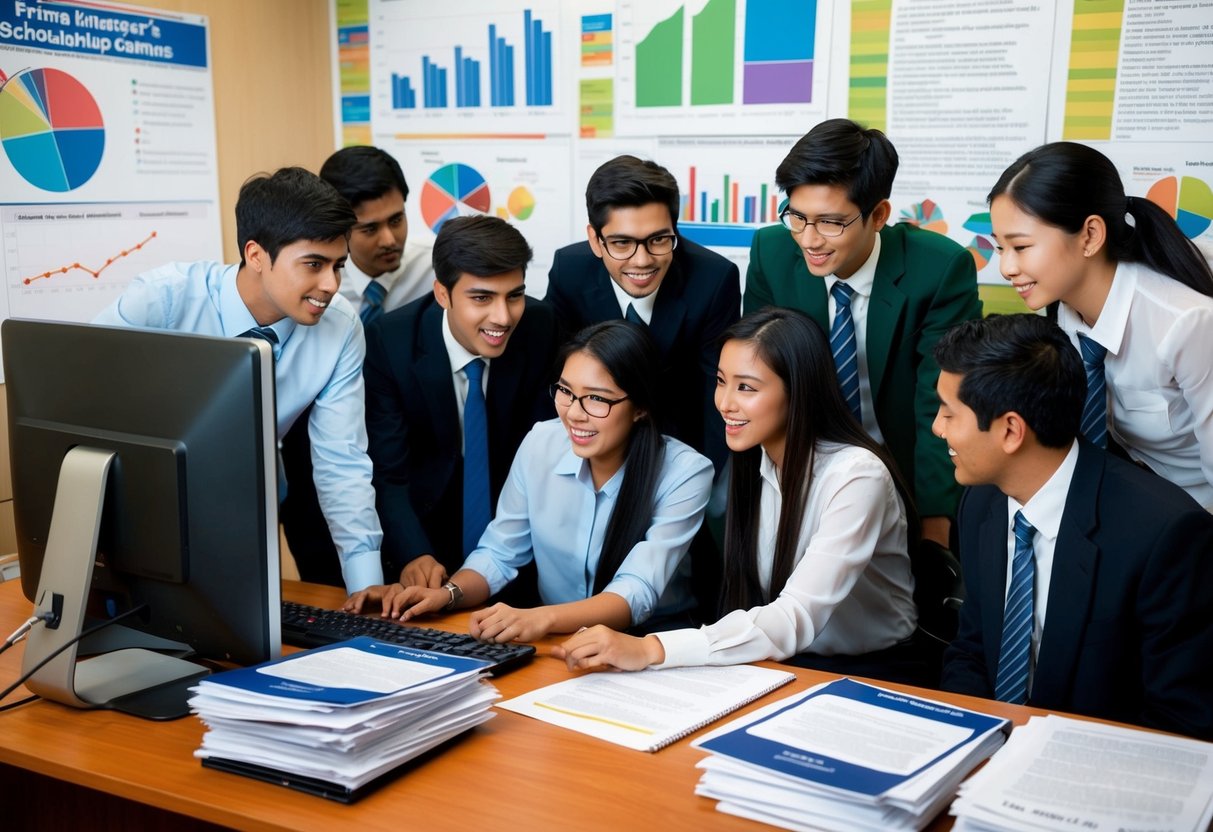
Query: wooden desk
x=511 y=772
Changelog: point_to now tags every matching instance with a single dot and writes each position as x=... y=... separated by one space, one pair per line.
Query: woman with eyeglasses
x=602 y=502
x=816 y=534
x=1135 y=296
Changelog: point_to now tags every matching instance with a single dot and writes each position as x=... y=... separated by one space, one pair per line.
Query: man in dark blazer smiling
x=1088 y=578
x=417 y=391
x=634 y=265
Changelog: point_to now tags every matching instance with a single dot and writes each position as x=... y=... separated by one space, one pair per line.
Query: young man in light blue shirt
x=292 y=229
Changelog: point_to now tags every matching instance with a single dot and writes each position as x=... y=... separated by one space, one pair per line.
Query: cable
x=20 y=632
x=46 y=660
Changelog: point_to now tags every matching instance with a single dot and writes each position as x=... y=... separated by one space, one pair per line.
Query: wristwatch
x=456 y=595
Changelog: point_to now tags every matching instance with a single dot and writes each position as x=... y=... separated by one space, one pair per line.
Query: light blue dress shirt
x=550 y=512
x=321 y=364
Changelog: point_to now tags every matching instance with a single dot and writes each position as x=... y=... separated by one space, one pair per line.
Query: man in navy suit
x=635 y=265
x=417 y=388
x=1088 y=579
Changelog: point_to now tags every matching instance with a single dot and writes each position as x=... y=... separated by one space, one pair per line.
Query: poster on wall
x=108 y=168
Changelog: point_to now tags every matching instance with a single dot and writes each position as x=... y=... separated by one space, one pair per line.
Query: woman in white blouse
x=817 y=525
x=1135 y=295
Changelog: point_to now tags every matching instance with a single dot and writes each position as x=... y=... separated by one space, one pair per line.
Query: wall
x=273 y=107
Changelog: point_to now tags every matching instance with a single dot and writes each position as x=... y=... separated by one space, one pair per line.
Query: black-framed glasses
x=797 y=222
x=593 y=405
x=621 y=248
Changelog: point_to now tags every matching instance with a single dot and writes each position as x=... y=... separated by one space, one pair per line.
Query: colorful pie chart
x=982 y=251
x=454 y=190
x=1188 y=200
x=521 y=203
x=51 y=129
x=925 y=214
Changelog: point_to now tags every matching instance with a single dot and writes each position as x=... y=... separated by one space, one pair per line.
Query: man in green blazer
x=885 y=294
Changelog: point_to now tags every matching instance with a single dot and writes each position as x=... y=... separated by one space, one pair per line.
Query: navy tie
x=842 y=344
x=372 y=301
x=476 y=508
x=1019 y=619
x=1095 y=409
x=265 y=333
x=632 y=315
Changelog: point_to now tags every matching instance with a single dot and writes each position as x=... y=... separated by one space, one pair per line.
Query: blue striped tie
x=1018 y=620
x=842 y=344
x=372 y=301
x=1095 y=409
x=476 y=509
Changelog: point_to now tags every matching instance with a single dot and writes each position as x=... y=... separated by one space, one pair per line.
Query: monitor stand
x=133 y=679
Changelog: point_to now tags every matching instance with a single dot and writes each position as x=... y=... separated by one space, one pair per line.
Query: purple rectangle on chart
x=778 y=82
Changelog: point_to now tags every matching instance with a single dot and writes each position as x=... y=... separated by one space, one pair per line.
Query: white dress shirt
x=850 y=591
x=412 y=279
x=1043 y=512
x=861 y=282
x=1159 y=371
x=643 y=306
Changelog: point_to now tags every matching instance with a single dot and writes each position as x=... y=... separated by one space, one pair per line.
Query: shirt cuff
x=482 y=563
x=683 y=648
x=361 y=570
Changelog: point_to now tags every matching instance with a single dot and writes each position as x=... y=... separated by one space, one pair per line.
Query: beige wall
x=272 y=73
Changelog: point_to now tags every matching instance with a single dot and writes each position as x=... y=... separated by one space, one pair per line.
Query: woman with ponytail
x=603 y=504
x=816 y=564
x=1132 y=292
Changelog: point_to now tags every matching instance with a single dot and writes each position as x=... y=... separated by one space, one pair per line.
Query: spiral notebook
x=650 y=709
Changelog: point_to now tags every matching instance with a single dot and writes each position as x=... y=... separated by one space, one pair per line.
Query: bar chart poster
x=721 y=67
x=523 y=181
x=108 y=164
x=489 y=67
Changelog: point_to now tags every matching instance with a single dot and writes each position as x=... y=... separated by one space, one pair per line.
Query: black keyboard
x=305 y=626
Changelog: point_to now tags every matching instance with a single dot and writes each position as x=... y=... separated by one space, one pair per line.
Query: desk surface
x=512 y=769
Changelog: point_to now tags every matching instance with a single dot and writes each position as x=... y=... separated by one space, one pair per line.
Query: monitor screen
x=161 y=448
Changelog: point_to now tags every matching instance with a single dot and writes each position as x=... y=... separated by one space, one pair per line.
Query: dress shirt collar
x=1109 y=330
x=356 y=279
x=456 y=354
x=861 y=282
x=768 y=471
x=1046 y=506
x=571 y=465
x=236 y=317
x=644 y=306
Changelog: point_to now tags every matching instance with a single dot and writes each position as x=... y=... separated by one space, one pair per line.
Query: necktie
x=476 y=510
x=632 y=315
x=372 y=301
x=265 y=333
x=842 y=344
x=1095 y=409
x=1018 y=619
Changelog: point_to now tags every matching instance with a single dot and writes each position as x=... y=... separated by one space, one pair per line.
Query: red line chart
x=96 y=273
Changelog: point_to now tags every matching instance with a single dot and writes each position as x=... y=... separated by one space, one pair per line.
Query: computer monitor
x=144 y=469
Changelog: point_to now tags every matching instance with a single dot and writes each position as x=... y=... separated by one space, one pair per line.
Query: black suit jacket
x=699 y=298
x=413 y=430
x=1128 y=633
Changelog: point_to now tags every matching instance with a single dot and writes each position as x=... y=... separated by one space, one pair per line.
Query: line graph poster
x=107 y=152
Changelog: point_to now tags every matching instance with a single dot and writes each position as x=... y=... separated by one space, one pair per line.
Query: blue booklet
x=854 y=737
x=348 y=673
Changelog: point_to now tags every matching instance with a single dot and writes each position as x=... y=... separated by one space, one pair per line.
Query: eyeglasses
x=621 y=248
x=593 y=405
x=797 y=222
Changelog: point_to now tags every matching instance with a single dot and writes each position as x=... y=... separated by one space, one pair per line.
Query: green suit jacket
x=925 y=284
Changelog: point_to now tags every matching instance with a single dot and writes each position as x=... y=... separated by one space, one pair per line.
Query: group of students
x=841 y=416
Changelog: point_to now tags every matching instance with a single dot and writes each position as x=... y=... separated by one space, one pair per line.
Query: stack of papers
x=846 y=756
x=1060 y=773
x=335 y=719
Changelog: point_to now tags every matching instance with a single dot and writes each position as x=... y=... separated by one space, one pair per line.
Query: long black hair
x=627 y=352
x=796 y=350
x=1063 y=183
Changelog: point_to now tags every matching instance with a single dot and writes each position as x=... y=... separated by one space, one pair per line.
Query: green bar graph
x=712 y=44
x=659 y=64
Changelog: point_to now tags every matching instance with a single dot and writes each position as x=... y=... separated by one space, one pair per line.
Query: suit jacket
x=1127 y=634
x=699 y=298
x=412 y=422
x=924 y=284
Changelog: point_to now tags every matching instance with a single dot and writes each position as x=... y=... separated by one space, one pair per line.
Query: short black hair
x=363 y=172
x=1022 y=363
x=291 y=204
x=628 y=182
x=483 y=246
x=842 y=152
